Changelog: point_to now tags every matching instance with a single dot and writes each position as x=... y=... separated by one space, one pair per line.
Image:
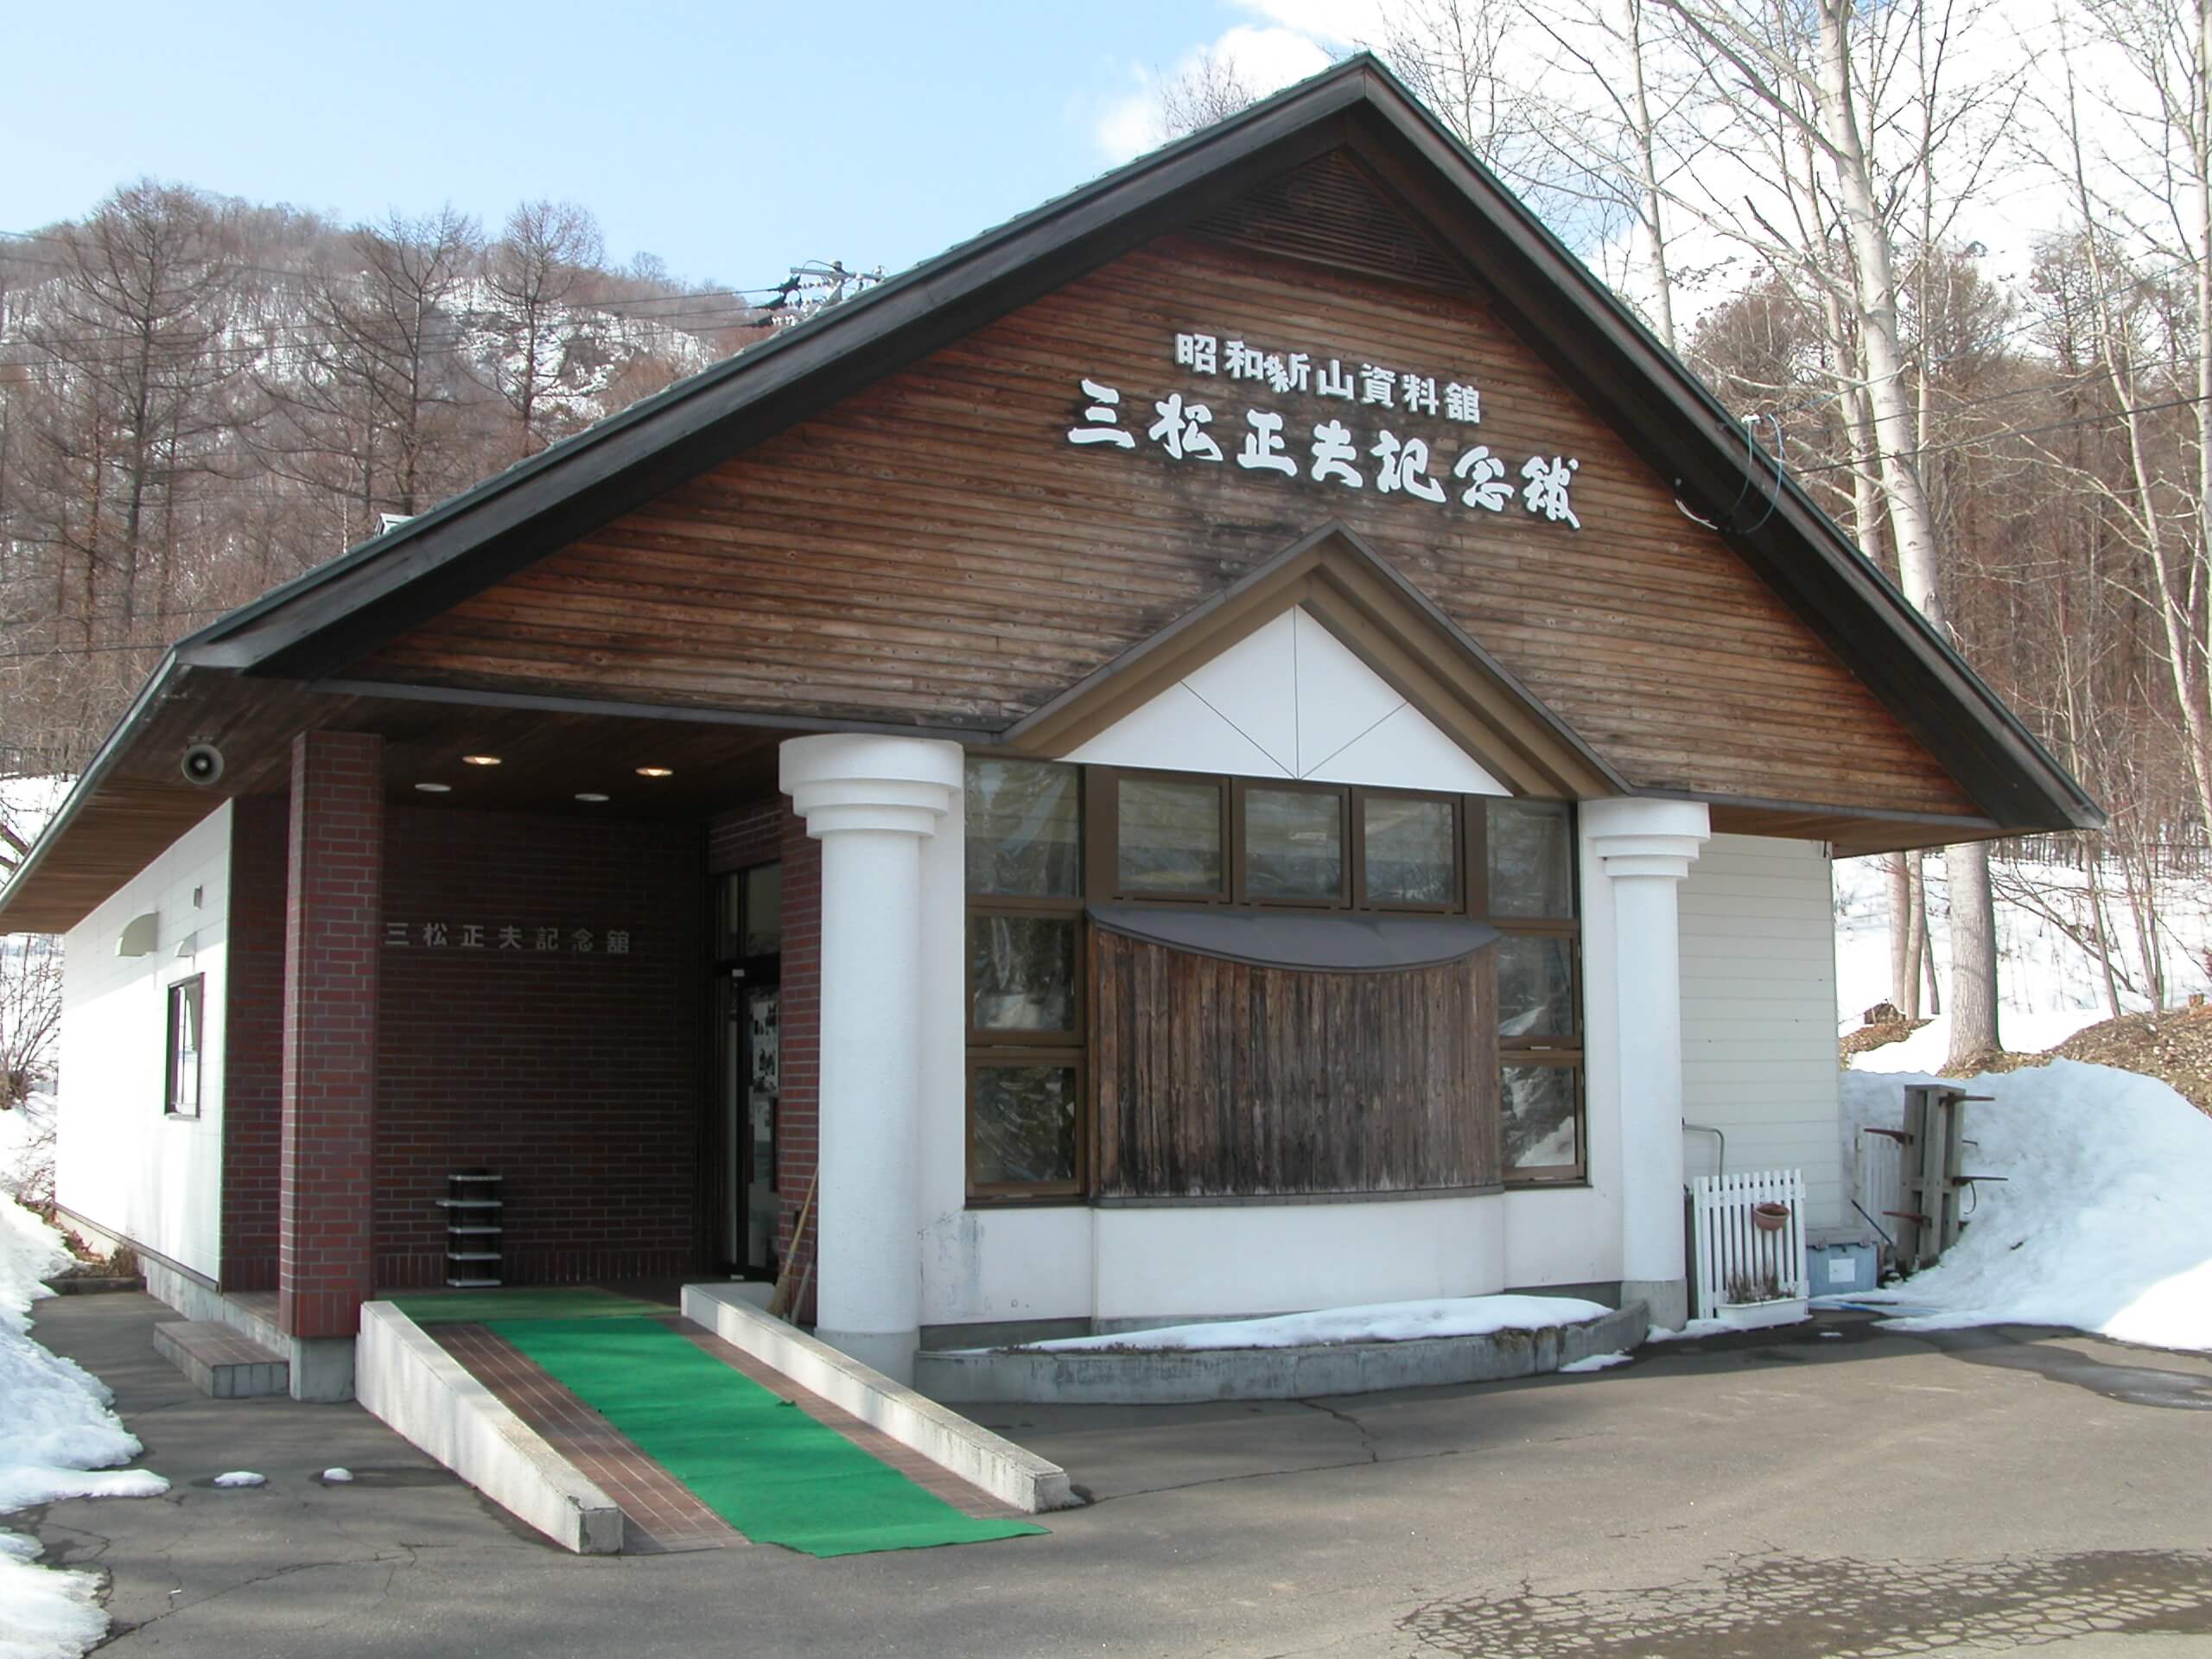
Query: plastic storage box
x=1839 y=1269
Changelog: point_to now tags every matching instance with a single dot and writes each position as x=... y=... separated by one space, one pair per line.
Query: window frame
x=1009 y=1194
x=1570 y=1050
x=1102 y=835
x=1238 y=852
x=987 y=1047
x=194 y=986
x=1102 y=848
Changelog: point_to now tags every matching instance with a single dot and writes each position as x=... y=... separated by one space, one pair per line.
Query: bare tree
x=536 y=271
x=1212 y=89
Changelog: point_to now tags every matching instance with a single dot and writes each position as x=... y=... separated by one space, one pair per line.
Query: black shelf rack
x=474 y=1255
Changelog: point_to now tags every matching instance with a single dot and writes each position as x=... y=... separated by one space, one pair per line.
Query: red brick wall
x=329 y=1031
x=574 y=1075
x=747 y=835
x=253 y=1042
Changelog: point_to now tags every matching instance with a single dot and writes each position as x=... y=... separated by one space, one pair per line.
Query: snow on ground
x=1454 y=1316
x=1595 y=1363
x=2048 y=987
x=2102 y=1222
x=57 y=1439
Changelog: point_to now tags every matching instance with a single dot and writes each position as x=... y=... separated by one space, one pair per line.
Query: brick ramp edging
x=1191 y=1376
x=402 y=1377
x=969 y=1450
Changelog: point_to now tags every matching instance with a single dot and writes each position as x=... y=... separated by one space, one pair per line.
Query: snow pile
x=57 y=1439
x=2101 y=1222
x=241 y=1478
x=1454 y=1316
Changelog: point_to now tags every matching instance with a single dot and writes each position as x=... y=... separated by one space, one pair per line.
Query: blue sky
x=732 y=141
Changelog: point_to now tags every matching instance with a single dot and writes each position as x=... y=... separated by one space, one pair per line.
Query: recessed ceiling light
x=656 y=772
x=481 y=759
x=590 y=794
x=435 y=789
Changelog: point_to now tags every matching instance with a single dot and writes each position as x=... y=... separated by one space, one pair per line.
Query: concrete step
x=220 y=1361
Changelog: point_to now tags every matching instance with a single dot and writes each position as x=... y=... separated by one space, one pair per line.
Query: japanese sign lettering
x=501 y=938
x=1386 y=453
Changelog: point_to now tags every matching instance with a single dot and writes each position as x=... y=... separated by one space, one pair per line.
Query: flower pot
x=1770 y=1218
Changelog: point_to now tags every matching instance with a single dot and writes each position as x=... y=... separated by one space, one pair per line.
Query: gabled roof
x=333 y=615
x=1386 y=622
x=311 y=628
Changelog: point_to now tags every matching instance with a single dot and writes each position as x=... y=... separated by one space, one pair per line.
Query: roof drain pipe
x=1689 y=1128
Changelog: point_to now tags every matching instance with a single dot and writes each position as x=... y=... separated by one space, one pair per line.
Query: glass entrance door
x=748 y=1067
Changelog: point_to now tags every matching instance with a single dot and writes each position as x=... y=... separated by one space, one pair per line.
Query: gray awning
x=1339 y=942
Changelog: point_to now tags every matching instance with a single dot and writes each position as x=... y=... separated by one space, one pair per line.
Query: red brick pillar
x=332 y=926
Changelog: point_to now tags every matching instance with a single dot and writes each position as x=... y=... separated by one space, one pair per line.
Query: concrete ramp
x=455 y=1379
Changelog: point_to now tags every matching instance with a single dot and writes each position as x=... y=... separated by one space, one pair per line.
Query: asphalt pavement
x=1831 y=1489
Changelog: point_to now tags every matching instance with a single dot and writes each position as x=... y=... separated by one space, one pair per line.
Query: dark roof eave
x=167 y=677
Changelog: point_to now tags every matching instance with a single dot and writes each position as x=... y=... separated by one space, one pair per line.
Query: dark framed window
x=1192 y=838
x=181 y=1084
x=1529 y=893
x=1027 y=1080
x=1044 y=837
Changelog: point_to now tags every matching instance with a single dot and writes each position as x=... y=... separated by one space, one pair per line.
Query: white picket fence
x=1729 y=1246
x=1877 y=1184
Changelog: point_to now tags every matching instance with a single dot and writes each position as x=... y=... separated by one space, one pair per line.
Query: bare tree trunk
x=1973 y=955
x=1905 y=967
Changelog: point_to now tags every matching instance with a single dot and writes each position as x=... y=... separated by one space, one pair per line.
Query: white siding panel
x=1758 y=1015
x=121 y=1161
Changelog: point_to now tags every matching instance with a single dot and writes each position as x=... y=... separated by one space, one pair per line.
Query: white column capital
x=863 y=781
x=1640 y=835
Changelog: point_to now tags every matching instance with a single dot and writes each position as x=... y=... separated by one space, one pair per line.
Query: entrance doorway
x=748 y=1064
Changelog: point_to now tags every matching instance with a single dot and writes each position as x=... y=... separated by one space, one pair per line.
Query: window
x=1025 y=1071
x=1528 y=890
x=1178 y=837
x=1043 y=837
x=180 y=1089
x=749 y=913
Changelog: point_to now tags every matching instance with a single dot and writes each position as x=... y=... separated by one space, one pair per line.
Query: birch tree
x=1815 y=74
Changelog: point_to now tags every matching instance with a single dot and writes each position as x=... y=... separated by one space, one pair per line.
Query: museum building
x=1247 y=741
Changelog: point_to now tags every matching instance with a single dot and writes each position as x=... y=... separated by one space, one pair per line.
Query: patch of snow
x=26 y=1137
x=1689 y=1332
x=57 y=1439
x=1595 y=1363
x=337 y=1477
x=1451 y=1316
x=2101 y=1222
x=2048 y=987
x=45 y=1612
x=241 y=1478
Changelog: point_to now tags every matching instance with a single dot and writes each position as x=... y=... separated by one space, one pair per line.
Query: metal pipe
x=1721 y=1168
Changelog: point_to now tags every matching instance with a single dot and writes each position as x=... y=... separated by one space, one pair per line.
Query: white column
x=870 y=801
x=1647 y=847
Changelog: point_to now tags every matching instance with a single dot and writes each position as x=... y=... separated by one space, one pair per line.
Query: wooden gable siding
x=934 y=551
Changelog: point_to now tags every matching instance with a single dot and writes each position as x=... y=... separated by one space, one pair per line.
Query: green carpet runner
x=758 y=1461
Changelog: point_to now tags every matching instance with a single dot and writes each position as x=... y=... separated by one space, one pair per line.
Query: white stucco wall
x=1758 y=1014
x=121 y=1161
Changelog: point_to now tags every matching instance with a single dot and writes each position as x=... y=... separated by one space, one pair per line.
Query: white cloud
x=1266 y=58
